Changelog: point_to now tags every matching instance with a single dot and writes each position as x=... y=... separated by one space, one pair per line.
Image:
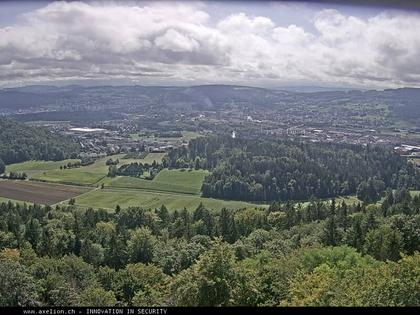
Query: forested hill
x=244 y=169
x=20 y=142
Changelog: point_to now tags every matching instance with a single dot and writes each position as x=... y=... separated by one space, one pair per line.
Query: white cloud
x=132 y=40
x=177 y=42
x=240 y=23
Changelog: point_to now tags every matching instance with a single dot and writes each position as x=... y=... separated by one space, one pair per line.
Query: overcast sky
x=251 y=43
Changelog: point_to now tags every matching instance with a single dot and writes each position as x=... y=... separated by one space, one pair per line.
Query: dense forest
x=255 y=170
x=20 y=142
x=323 y=253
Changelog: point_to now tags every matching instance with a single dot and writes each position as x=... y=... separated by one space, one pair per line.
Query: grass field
x=187 y=182
x=175 y=189
x=49 y=171
x=109 y=198
x=90 y=174
x=38 y=192
x=36 y=167
x=85 y=175
x=150 y=157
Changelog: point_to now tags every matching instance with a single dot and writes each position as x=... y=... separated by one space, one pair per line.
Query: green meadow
x=85 y=175
x=109 y=198
x=93 y=174
x=179 y=181
x=35 y=167
x=174 y=188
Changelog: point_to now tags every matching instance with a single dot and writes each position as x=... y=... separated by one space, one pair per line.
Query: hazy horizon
x=290 y=87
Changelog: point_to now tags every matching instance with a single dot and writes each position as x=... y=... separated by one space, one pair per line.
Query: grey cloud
x=106 y=40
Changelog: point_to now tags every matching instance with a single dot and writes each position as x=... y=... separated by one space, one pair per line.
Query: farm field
x=77 y=176
x=191 y=178
x=85 y=175
x=109 y=198
x=38 y=192
x=35 y=167
x=187 y=182
x=90 y=174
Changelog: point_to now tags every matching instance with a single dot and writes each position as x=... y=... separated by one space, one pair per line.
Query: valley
x=277 y=189
x=162 y=157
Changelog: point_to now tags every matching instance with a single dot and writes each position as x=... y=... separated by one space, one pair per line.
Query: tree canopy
x=321 y=253
x=20 y=142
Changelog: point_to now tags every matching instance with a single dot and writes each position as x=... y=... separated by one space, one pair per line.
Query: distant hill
x=404 y=103
x=311 y=89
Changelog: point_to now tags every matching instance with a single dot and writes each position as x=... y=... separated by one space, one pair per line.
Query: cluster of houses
x=408 y=150
x=98 y=142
